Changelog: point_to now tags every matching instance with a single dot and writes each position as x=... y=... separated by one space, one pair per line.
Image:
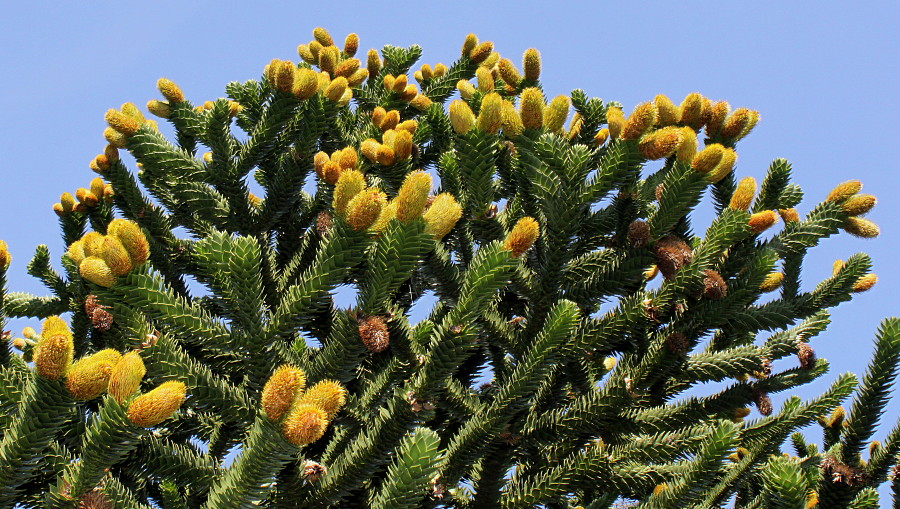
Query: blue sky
x=823 y=75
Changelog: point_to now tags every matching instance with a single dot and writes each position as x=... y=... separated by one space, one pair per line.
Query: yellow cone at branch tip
x=442 y=215
x=716 y=116
x=667 y=112
x=95 y=270
x=640 y=121
x=761 y=221
x=349 y=184
x=306 y=83
x=413 y=196
x=336 y=89
x=91 y=242
x=739 y=124
x=111 y=153
x=616 y=121
x=743 y=194
x=485 y=80
x=281 y=390
x=461 y=117
x=328 y=395
x=575 y=126
x=396 y=84
x=660 y=144
x=789 y=215
x=89 y=377
x=609 y=363
x=726 y=164
x=402 y=144
x=29 y=333
x=319 y=161
x=152 y=408
x=53 y=353
x=159 y=108
x=531 y=64
x=67 y=201
x=693 y=110
x=122 y=122
x=865 y=283
x=364 y=209
x=356 y=79
x=531 y=108
x=304 y=425
x=480 y=52
x=861 y=227
x=388 y=212
x=391 y=120
x=409 y=92
x=373 y=62
x=508 y=71
x=115 y=138
x=859 y=204
x=466 y=89
x=328 y=59
x=844 y=190
x=324 y=80
x=687 y=148
x=385 y=155
x=132 y=111
x=126 y=375
x=555 y=113
x=469 y=44
x=97 y=186
x=322 y=36
x=511 y=122
x=491 y=61
x=116 y=257
x=490 y=116
x=132 y=238
x=771 y=282
x=420 y=102
x=836 y=419
x=348 y=158
x=522 y=236
x=306 y=54
x=369 y=149
x=5 y=257
x=601 y=136
x=316 y=49
x=76 y=252
x=708 y=158
x=351 y=44
x=169 y=91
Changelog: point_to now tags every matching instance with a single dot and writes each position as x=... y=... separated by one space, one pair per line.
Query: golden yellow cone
x=601 y=136
x=159 y=108
x=508 y=71
x=480 y=52
x=859 y=204
x=522 y=236
x=388 y=212
x=89 y=377
x=739 y=124
x=609 y=363
x=373 y=63
x=115 y=138
x=511 y=122
x=358 y=77
x=440 y=70
x=152 y=408
x=555 y=113
x=390 y=121
x=442 y=215
x=762 y=221
x=29 y=333
x=347 y=68
x=306 y=84
x=67 y=201
x=351 y=44
x=402 y=144
x=461 y=117
x=693 y=110
x=336 y=89
x=385 y=155
x=484 y=79
x=531 y=108
x=861 y=227
x=306 y=54
x=531 y=64
x=365 y=208
x=116 y=257
x=616 y=121
x=743 y=195
x=315 y=47
x=348 y=158
x=349 y=184
x=687 y=148
x=771 y=282
x=420 y=102
x=53 y=353
x=844 y=190
x=304 y=425
x=122 y=122
x=726 y=164
x=490 y=116
x=408 y=125
x=640 y=121
x=132 y=238
x=369 y=149
x=789 y=215
x=328 y=395
x=170 y=91
x=660 y=144
x=708 y=158
x=91 y=242
x=322 y=36
x=95 y=270
x=413 y=196
x=126 y=375
x=328 y=59
x=469 y=44
x=466 y=89
x=667 y=112
x=865 y=283
x=281 y=390
x=97 y=186
x=716 y=116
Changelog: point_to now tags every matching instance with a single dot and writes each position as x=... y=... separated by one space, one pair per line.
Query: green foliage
x=552 y=370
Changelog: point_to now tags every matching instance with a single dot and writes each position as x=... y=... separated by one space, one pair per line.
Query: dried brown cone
x=714 y=287
x=838 y=472
x=806 y=355
x=94 y=499
x=672 y=253
x=677 y=343
x=763 y=402
x=374 y=333
x=313 y=471
x=324 y=222
x=638 y=233
x=100 y=317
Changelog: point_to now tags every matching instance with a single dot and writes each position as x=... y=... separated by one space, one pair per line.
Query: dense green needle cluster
x=202 y=360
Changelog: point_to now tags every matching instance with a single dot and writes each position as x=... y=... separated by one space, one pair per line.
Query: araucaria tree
x=202 y=360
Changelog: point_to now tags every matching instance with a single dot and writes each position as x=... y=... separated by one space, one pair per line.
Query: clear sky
x=823 y=75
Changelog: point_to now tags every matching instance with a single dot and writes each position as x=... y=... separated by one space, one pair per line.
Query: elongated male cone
x=152 y=408
x=523 y=234
x=508 y=72
x=349 y=184
x=640 y=121
x=726 y=164
x=116 y=257
x=461 y=117
x=715 y=117
x=89 y=377
x=170 y=91
x=328 y=395
x=304 y=424
x=336 y=89
x=480 y=53
x=771 y=282
x=5 y=257
x=125 y=377
x=761 y=221
x=53 y=353
x=743 y=194
x=413 y=196
x=122 y=122
x=660 y=144
x=132 y=238
x=351 y=44
x=95 y=270
x=531 y=63
x=490 y=116
x=364 y=209
x=844 y=190
x=667 y=112
x=322 y=36
x=739 y=124
x=283 y=387
x=531 y=108
x=859 y=204
x=555 y=113
x=616 y=121
x=693 y=110
x=865 y=283
x=306 y=84
x=861 y=227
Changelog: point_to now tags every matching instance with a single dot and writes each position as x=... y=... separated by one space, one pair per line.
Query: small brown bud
x=714 y=287
x=638 y=233
x=374 y=334
x=806 y=356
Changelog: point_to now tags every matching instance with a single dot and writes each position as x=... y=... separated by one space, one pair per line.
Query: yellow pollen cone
x=132 y=238
x=640 y=121
x=859 y=204
x=369 y=149
x=53 y=355
x=531 y=63
x=115 y=138
x=373 y=63
x=413 y=196
x=391 y=120
x=511 y=122
x=306 y=84
x=306 y=54
x=322 y=36
x=616 y=121
x=466 y=89
x=281 y=390
x=358 y=77
x=328 y=395
x=385 y=155
x=420 y=102
x=716 y=117
x=789 y=215
x=484 y=79
x=555 y=113
x=687 y=148
x=743 y=194
x=365 y=208
x=708 y=158
x=601 y=136
x=469 y=44
x=461 y=117
x=442 y=215
x=351 y=44
x=336 y=89
x=170 y=91
x=95 y=270
x=348 y=158
x=152 y=408
x=865 y=283
x=116 y=257
x=660 y=144
x=304 y=425
x=126 y=375
x=726 y=164
x=761 y=221
x=349 y=184
x=522 y=236
x=122 y=122
x=89 y=377
x=480 y=53
x=771 y=282
x=861 y=227
x=739 y=124
x=159 y=108
x=490 y=116
x=693 y=110
x=844 y=190
x=667 y=111
x=531 y=109
x=508 y=72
